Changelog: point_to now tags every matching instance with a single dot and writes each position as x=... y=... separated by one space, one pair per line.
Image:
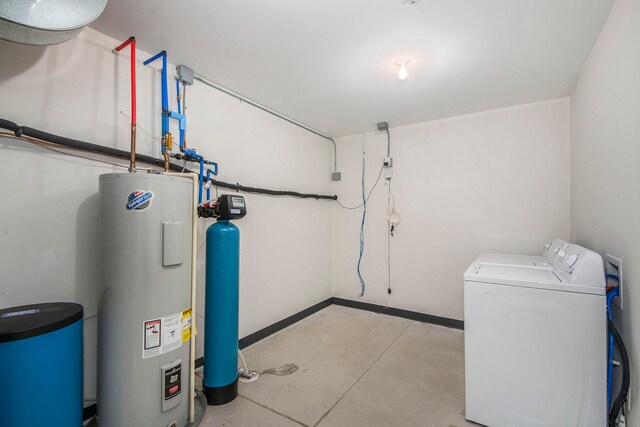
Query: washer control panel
x=551 y=250
x=580 y=266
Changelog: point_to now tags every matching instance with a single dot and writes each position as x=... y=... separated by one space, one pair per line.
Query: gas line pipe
x=131 y=41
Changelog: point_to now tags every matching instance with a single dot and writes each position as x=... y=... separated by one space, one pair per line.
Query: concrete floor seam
x=363 y=374
x=272 y=410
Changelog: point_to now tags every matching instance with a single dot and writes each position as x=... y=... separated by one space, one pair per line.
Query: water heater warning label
x=162 y=335
x=186 y=325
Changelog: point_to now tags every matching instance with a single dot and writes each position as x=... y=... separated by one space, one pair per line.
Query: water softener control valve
x=230 y=206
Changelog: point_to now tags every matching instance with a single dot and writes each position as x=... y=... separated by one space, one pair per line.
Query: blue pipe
x=208 y=189
x=165 y=96
x=178 y=95
x=165 y=91
x=610 y=296
x=201 y=181
x=181 y=118
x=183 y=123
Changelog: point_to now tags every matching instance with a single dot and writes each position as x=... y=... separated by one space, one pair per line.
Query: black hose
x=9 y=125
x=74 y=143
x=626 y=376
x=258 y=190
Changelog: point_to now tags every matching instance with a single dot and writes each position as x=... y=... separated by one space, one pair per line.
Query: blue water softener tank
x=220 y=381
x=41 y=365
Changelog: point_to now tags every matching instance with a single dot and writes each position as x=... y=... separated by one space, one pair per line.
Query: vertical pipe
x=209 y=189
x=178 y=95
x=165 y=96
x=180 y=112
x=132 y=165
x=132 y=41
x=164 y=117
x=183 y=132
x=194 y=253
x=165 y=112
x=201 y=181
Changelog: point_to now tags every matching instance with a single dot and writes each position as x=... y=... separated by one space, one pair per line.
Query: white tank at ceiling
x=46 y=22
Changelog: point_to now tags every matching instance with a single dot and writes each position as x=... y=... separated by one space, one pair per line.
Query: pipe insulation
x=114 y=152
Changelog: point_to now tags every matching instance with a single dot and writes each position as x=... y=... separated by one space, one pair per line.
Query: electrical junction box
x=387 y=163
x=383 y=126
x=185 y=74
x=336 y=176
x=613 y=265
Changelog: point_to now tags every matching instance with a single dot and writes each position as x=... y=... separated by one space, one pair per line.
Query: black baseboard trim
x=278 y=326
x=89 y=412
x=263 y=333
x=398 y=312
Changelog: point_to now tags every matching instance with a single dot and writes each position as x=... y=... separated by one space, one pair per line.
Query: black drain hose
x=626 y=376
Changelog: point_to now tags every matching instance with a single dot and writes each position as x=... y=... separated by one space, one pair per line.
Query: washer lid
x=529 y=277
x=514 y=260
x=28 y=321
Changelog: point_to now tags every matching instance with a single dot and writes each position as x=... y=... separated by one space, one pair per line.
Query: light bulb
x=402 y=63
x=403 y=72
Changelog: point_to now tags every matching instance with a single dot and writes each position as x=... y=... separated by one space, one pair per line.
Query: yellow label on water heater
x=186 y=325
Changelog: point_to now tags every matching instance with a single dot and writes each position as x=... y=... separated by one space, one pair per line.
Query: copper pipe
x=132 y=159
x=131 y=41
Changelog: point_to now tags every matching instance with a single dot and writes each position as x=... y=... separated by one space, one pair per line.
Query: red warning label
x=152 y=333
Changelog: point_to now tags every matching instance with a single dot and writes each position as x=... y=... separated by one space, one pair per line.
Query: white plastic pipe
x=194 y=248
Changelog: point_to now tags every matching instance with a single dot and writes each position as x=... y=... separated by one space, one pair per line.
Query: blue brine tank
x=41 y=365
x=221 y=313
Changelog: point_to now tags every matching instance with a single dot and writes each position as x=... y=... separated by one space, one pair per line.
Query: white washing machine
x=536 y=343
x=546 y=260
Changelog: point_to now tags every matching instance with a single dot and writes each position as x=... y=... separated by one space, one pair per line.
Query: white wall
x=496 y=181
x=605 y=153
x=49 y=205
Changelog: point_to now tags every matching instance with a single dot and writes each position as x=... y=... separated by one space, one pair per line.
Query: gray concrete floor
x=347 y=367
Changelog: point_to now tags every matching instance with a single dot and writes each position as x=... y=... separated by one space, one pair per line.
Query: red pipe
x=132 y=41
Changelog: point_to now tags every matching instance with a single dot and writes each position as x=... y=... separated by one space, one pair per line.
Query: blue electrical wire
x=364 y=216
x=610 y=296
x=612 y=277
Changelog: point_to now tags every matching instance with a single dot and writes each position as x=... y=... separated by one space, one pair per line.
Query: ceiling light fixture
x=402 y=63
x=410 y=1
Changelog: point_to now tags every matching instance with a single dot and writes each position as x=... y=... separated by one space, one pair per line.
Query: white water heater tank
x=144 y=314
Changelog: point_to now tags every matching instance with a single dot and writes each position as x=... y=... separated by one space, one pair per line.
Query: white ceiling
x=330 y=63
